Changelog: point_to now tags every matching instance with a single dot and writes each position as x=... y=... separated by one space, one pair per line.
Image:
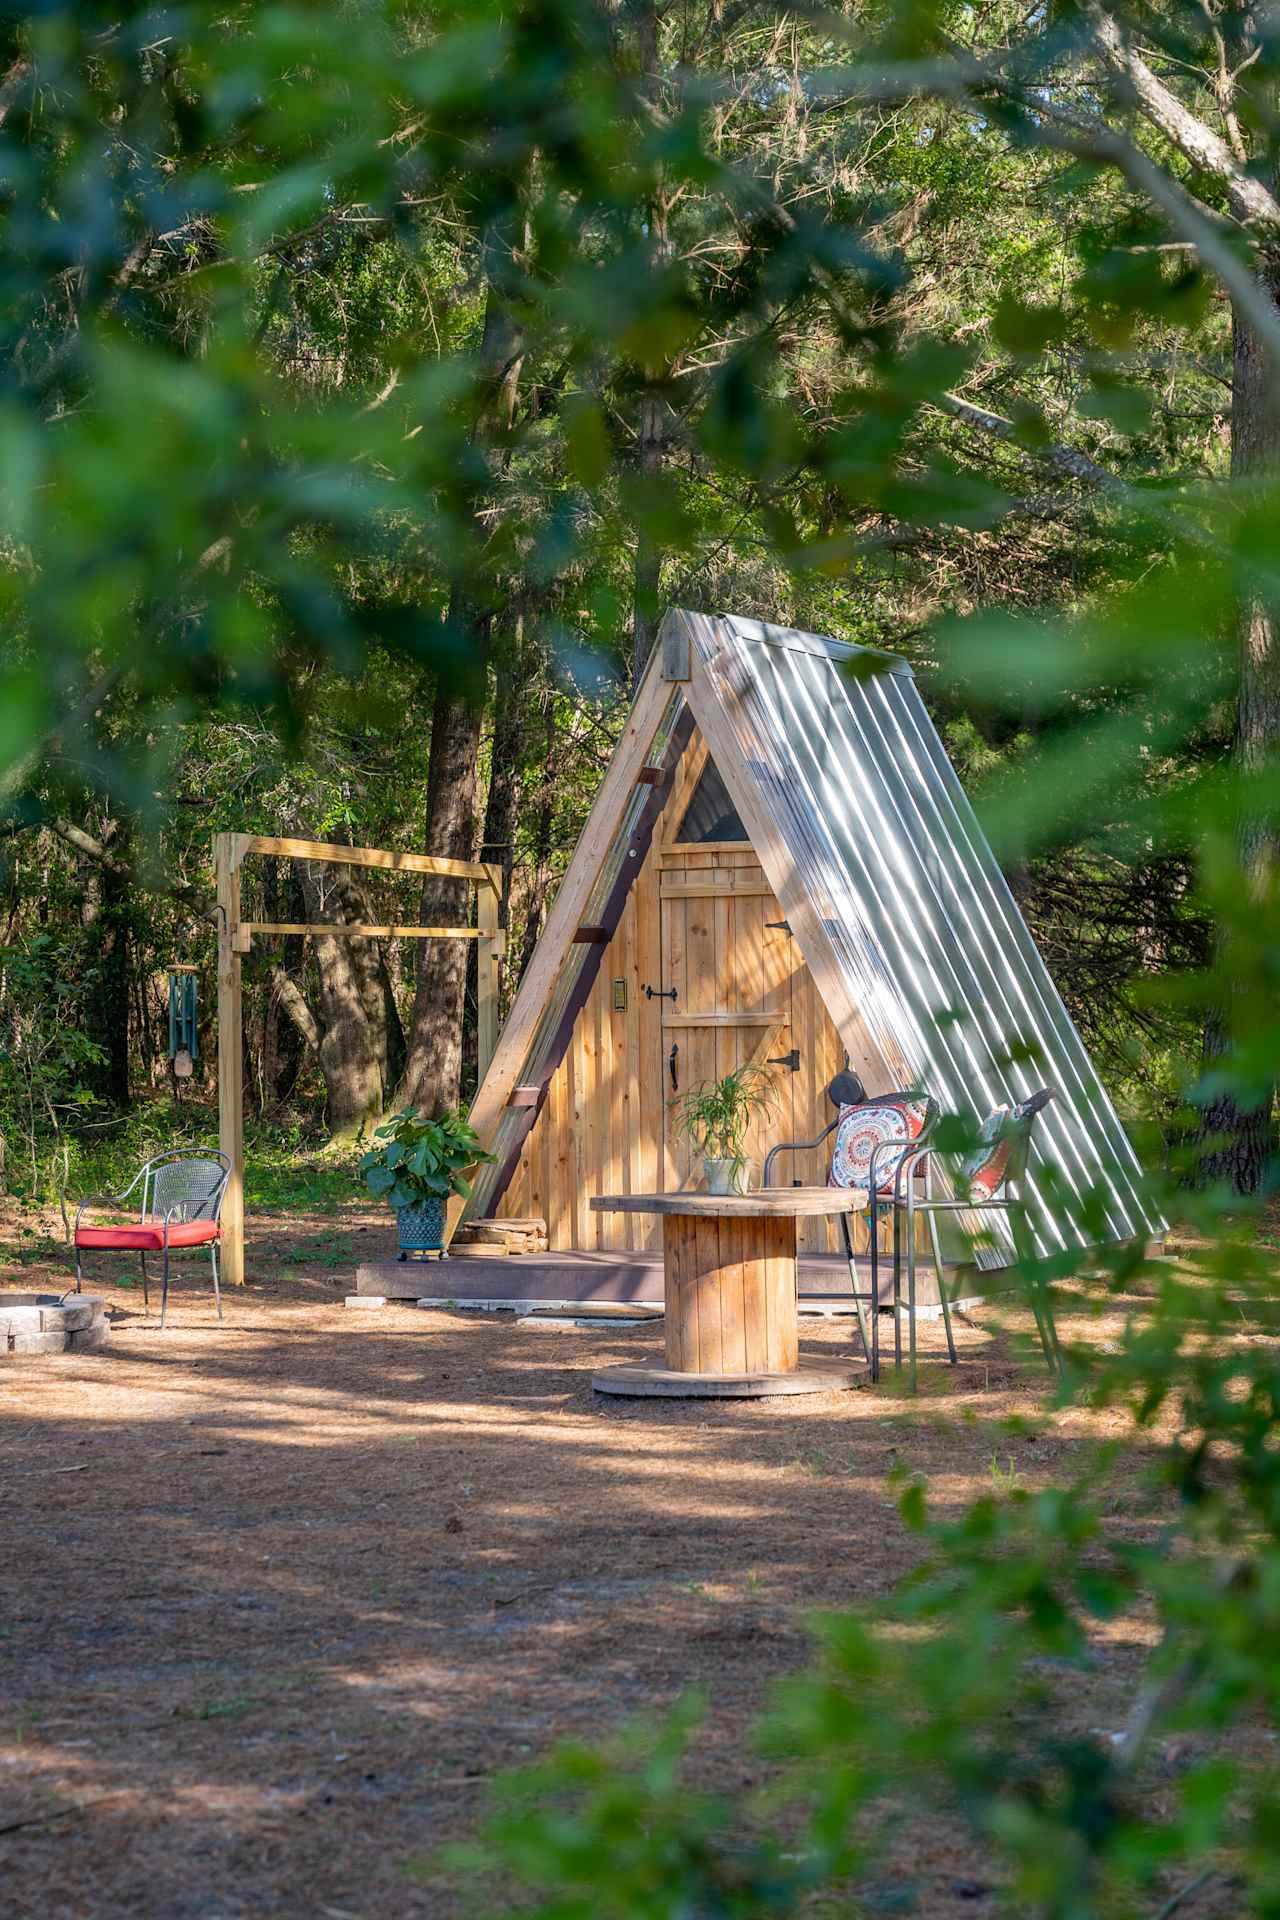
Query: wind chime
x=184 y=1044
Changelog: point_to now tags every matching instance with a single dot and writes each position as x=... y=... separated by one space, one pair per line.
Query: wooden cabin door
x=727 y=958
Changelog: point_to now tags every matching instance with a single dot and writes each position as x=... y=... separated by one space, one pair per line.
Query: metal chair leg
x=875 y=1324
x=164 y=1288
x=146 y=1296
x=873 y=1226
x=213 y=1256
x=897 y=1283
x=936 y=1247
x=942 y=1290
x=1037 y=1293
x=911 y=1280
x=853 y=1277
x=77 y=1269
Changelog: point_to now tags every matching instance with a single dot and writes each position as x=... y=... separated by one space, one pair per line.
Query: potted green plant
x=415 y=1165
x=715 y=1116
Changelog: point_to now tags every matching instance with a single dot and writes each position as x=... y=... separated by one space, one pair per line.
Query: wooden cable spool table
x=730 y=1270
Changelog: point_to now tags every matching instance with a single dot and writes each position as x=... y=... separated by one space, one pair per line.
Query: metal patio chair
x=180 y=1207
x=986 y=1180
x=873 y=1138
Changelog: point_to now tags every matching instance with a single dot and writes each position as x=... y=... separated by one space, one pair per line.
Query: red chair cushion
x=149 y=1238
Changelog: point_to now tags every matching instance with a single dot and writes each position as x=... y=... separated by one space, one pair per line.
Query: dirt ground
x=278 y=1596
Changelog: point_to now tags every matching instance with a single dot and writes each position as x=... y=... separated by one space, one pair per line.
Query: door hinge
x=791 y=1061
x=783 y=926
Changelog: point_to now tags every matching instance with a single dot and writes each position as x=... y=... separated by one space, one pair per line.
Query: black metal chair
x=874 y=1135
x=986 y=1180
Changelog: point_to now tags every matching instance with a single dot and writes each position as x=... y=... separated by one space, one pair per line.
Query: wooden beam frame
x=339 y=856
x=235 y=938
x=357 y=930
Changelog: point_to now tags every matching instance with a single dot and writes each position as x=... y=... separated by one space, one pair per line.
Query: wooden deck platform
x=623 y=1279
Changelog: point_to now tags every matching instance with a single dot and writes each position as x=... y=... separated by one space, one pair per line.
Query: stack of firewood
x=485 y=1239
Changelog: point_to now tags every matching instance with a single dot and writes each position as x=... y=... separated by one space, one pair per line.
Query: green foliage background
x=924 y=324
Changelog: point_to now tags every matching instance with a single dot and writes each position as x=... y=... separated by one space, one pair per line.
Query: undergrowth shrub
x=959 y=1697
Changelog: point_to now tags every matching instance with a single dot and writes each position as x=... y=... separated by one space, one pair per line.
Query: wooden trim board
x=338 y=856
x=358 y=930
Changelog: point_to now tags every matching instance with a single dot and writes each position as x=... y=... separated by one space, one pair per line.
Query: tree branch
x=1055 y=454
x=1090 y=139
x=1252 y=203
x=961 y=77
x=283 y=987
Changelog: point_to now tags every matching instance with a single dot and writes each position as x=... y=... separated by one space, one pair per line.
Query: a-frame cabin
x=780 y=866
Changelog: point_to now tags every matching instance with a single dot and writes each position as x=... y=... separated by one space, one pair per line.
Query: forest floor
x=279 y=1596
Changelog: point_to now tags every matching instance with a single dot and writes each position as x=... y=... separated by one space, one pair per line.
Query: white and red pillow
x=983 y=1170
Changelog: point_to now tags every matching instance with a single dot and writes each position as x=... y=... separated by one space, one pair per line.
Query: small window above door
x=711 y=814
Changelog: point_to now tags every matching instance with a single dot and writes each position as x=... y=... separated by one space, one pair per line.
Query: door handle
x=660 y=993
x=791 y=1061
x=671 y=1062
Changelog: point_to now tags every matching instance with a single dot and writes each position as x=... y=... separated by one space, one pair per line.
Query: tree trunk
x=515 y=671
x=655 y=419
x=1239 y=1132
x=543 y=830
x=376 y=991
x=513 y=676
x=348 y=1053
x=282 y=1042
x=104 y=913
x=433 y=1066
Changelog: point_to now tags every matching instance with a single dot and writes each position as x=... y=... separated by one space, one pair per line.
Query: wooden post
x=488 y=955
x=675 y=646
x=228 y=853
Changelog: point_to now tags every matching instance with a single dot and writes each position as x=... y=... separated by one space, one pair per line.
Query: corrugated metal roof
x=929 y=939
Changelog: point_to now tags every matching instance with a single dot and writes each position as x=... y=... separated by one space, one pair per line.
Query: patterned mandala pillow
x=875 y=1123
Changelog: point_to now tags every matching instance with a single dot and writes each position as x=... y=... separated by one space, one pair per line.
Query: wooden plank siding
x=696 y=919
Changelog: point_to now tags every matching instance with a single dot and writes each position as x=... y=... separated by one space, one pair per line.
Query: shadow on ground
x=281 y=1595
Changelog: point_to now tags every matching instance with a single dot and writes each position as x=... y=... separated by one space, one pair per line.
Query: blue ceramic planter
x=421 y=1228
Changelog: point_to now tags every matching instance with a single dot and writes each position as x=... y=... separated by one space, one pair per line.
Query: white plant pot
x=721 y=1175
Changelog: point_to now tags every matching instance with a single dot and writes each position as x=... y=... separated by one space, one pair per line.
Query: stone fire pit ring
x=51 y=1323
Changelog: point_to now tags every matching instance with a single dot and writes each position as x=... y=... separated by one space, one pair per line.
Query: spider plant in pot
x=415 y=1165
x=716 y=1115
